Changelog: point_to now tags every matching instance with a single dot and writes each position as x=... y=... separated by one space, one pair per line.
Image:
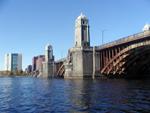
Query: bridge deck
x=60 y=60
x=124 y=40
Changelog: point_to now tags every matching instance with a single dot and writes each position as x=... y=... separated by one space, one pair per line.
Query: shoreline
x=13 y=75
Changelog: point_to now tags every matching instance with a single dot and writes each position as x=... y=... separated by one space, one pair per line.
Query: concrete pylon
x=49 y=64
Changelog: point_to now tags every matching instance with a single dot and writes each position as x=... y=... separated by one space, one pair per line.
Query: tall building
x=13 y=62
x=34 y=59
x=28 y=69
x=82 y=32
x=37 y=62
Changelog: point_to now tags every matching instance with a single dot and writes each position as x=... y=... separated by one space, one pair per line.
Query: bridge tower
x=48 y=65
x=82 y=57
x=82 y=33
x=146 y=27
x=48 y=53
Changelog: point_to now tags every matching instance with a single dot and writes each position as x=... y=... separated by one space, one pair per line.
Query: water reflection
x=107 y=96
x=31 y=95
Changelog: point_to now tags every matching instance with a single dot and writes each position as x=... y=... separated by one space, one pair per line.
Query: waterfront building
x=34 y=59
x=37 y=63
x=13 y=62
x=29 y=69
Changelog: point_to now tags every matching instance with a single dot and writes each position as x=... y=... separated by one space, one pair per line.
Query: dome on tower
x=146 y=27
x=82 y=16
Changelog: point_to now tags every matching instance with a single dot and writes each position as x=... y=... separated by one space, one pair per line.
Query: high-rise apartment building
x=37 y=62
x=13 y=62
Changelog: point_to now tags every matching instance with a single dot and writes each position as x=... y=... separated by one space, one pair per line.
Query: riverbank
x=13 y=75
x=8 y=73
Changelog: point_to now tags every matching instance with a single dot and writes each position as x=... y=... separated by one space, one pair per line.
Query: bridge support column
x=48 y=69
x=101 y=61
x=94 y=65
x=85 y=62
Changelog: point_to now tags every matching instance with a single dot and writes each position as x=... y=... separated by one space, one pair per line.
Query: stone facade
x=48 y=70
x=82 y=33
x=82 y=63
x=83 y=60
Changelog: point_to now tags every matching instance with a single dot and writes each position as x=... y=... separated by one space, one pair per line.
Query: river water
x=36 y=95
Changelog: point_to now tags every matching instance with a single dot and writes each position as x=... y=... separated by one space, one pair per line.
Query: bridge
x=126 y=56
x=121 y=58
x=60 y=70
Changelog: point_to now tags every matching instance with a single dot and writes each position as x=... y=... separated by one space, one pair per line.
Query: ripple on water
x=32 y=95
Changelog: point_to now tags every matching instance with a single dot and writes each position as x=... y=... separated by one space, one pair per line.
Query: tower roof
x=48 y=46
x=82 y=16
x=146 y=27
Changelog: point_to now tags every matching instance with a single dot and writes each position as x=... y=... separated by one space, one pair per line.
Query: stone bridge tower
x=48 y=65
x=81 y=57
x=82 y=33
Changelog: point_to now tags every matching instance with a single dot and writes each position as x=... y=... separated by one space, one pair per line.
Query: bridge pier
x=82 y=63
x=48 y=70
x=48 y=66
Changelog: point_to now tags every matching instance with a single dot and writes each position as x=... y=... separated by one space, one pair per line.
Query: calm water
x=34 y=95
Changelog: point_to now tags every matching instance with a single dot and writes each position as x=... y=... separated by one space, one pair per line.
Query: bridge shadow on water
x=129 y=76
x=108 y=95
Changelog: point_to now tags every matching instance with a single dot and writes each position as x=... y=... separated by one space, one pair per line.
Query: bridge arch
x=123 y=62
x=61 y=71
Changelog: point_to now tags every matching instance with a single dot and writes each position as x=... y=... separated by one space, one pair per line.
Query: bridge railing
x=126 y=39
x=60 y=60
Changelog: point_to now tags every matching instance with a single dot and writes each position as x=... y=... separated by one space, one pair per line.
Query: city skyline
x=27 y=26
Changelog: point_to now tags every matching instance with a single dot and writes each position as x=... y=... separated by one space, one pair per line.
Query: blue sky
x=26 y=26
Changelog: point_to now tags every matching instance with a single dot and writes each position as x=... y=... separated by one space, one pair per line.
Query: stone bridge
x=121 y=58
x=126 y=56
x=60 y=70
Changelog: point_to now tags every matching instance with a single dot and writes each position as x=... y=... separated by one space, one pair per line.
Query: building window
x=76 y=43
x=83 y=22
